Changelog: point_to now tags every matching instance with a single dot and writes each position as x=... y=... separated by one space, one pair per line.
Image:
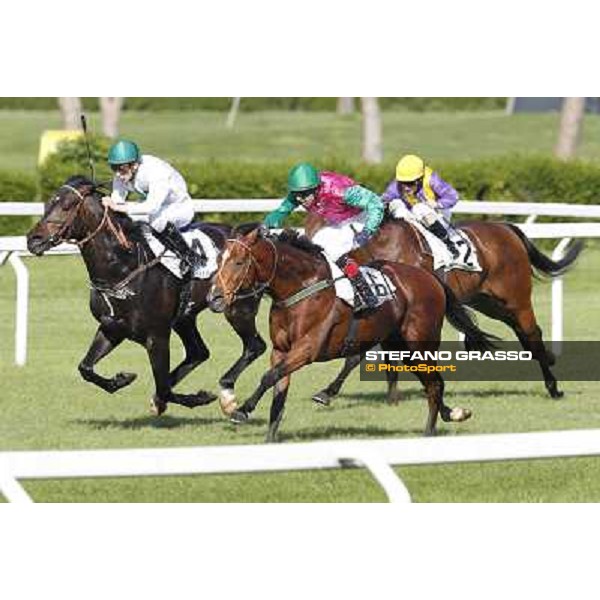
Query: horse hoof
x=394 y=399
x=322 y=398
x=227 y=402
x=124 y=379
x=157 y=406
x=556 y=394
x=203 y=398
x=238 y=417
x=459 y=414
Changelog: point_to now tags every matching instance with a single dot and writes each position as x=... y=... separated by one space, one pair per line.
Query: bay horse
x=134 y=297
x=502 y=290
x=309 y=323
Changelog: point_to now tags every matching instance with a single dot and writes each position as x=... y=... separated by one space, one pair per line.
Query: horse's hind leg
x=530 y=336
x=196 y=351
x=325 y=396
x=521 y=319
x=104 y=343
x=243 y=321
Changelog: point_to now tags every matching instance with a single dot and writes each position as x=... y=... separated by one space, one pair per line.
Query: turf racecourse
x=266 y=135
x=46 y=405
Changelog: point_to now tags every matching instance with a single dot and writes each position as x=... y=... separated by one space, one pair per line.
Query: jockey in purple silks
x=420 y=190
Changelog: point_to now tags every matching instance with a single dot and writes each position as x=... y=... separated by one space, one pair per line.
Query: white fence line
x=230 y=205
x=13 y=247
x=375 y=455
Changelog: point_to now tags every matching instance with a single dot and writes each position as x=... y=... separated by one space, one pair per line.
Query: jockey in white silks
x=421 y=191
x=352 y=213
x=166 y=198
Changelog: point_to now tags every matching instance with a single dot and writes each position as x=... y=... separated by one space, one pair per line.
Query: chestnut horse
x=134 y=297
x=502 y=290
x=309 y=323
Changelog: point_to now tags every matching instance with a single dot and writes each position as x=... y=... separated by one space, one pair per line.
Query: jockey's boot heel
x=366 y=299
x=441 y=232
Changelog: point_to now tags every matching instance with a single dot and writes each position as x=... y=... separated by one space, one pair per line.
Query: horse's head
x=246 y=268
x=66 y=215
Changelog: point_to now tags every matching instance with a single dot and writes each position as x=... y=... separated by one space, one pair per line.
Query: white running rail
x=12 y=248
x=375 y=455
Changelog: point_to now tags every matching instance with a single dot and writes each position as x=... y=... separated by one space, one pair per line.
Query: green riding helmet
x=303 y=177
x=123 y=152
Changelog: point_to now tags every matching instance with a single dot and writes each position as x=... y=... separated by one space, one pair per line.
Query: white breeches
x=178 y=213
x=337 y=240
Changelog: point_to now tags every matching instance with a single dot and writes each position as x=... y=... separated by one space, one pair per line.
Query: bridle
x=249 y=261
x=57 y=238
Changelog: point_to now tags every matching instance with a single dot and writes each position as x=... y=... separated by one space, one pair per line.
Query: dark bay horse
x=134 y=297
x=502 y=290
x=314 y=325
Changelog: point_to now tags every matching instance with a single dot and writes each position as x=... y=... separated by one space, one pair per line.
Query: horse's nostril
x=216 y=301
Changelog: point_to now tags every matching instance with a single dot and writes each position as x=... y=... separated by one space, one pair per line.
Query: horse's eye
x=238 y=263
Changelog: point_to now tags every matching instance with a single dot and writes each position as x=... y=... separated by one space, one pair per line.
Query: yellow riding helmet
x=410 y=168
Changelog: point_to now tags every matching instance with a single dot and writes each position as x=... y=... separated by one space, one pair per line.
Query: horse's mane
x=245 y=228
x=78 y=180
x=300 y=242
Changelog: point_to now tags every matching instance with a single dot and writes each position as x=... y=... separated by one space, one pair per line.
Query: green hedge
x=511 y=178
x=16 y=187
x=255 y=104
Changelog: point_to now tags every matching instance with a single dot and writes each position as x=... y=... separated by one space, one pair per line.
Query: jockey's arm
x=276 y=218
x=370 y=202
x=118 y=197
x=391 y=192
x=446 y=195
x=157 y=193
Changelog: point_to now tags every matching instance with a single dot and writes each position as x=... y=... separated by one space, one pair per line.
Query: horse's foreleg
x=243 y=322
x=326 y=395
x=280 y=392
x=102 y=345
x=196 y=351
x=295 y=359
x=158 y=350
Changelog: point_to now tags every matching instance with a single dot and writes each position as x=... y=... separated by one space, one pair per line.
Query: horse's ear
x=252 y=236
x=263 y=231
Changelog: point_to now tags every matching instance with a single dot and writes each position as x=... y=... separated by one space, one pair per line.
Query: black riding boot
x=440 y=231
x=362 y=291
x=173 y=240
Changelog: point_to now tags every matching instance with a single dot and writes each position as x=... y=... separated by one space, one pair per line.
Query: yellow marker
x=52 y=138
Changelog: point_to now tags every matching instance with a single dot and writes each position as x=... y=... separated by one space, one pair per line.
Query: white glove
x=398 y=210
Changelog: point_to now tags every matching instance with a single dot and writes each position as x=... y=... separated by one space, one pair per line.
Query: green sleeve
x=370 y=202
x=276 y=218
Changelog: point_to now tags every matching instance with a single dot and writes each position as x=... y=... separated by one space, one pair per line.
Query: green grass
x=264 y=136
x=46 y=405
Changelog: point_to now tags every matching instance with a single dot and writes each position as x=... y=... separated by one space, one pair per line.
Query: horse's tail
x=462 y=319
x=542 y=263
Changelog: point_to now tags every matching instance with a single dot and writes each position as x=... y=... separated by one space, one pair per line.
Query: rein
x=117 y=231
x=256 y=290
x=296 y=297
x=119 y=290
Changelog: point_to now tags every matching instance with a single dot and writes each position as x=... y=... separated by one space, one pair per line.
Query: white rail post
x=22 y=308
x=11 y=489
x=383 y=473
x=557 y=300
